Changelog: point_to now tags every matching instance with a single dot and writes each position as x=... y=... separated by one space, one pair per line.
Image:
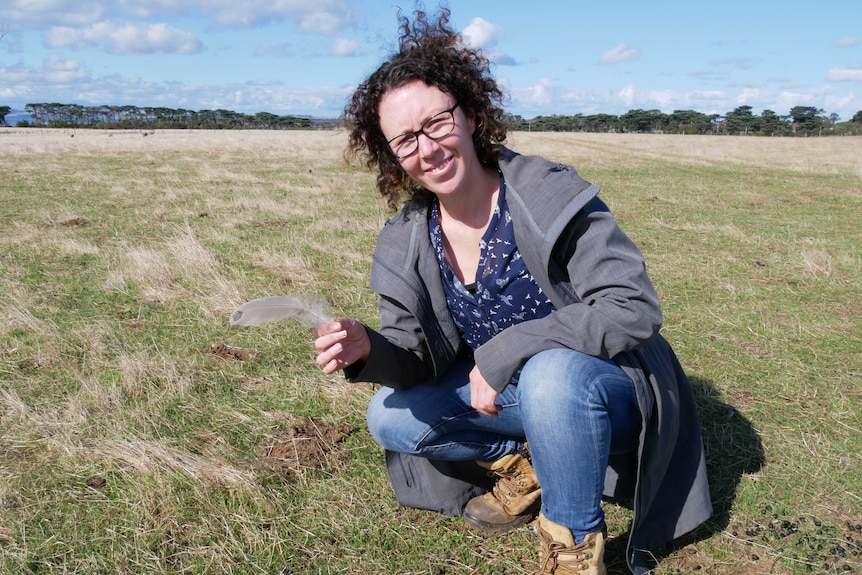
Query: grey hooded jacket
x=606 y=307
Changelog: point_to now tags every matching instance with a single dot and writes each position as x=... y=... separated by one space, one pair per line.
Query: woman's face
x=442 y=166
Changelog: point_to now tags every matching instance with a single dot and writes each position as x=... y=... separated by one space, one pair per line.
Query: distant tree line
x=53 y=115
x=801 y=121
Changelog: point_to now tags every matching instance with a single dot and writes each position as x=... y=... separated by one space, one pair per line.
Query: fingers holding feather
x=341 y=343
x=330 y=359
x=332 y=327
x=335 y=356
x=327 y=340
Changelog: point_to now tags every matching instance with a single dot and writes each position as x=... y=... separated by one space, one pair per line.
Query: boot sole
x=516 y=522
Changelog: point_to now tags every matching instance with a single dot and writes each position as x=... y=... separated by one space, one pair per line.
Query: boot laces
x=509 y=484
x=550 y=563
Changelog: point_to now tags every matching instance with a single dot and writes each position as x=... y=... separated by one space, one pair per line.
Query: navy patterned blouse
x=505 y=292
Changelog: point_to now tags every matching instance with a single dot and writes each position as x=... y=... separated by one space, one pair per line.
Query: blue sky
x=566 y=57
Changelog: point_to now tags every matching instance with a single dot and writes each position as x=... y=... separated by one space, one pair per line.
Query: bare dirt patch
x=231 y=353
x=71 y=222
x=309 y=444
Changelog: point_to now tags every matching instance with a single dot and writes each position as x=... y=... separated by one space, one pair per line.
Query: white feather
x=309 y=311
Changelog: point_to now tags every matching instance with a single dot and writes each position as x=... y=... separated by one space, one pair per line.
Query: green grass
x=127 y=446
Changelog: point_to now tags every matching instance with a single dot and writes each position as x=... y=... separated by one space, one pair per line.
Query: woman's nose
x=427 y=146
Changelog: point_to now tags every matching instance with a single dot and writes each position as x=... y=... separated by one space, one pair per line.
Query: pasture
x=140 y=434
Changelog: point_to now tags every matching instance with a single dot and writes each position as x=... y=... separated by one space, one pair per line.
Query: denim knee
x=556 y=375
x=380 y=421
x=570 y=386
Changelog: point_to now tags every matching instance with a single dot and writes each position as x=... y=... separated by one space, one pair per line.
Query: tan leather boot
x=559 y=555
x=514 y=499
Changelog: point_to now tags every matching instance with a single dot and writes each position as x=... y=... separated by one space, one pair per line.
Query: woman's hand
x=483 y=397
x=340 y=343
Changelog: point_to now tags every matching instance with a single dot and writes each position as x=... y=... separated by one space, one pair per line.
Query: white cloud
x=847 y=42
x=63 y=37
x=58 y=63
x=619 y=53
x=705 y=102
x=125 y=38
x=542 y=93
x=785 y=101
x=753 y=96
x=663 y=99
x=153 y=8
x=480 y=33
x=42 y=13
x=68 y=81
x=627 y=95
x=842 y=102
x=326 y=17
x=56 y=74
x=667 y=101
x=848 y=74
x=531 y=99
x=17 y=77
x=483 y=35
x=340 y=48
x=707 y=95
x=345 y=47
x=276 y=99
x=321 y=22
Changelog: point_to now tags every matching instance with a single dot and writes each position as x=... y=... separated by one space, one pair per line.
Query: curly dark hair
x=431 y=52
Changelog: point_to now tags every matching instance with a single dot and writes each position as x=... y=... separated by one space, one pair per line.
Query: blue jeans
x=573 y=409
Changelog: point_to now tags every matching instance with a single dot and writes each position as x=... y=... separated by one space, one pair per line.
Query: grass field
x=140 y=434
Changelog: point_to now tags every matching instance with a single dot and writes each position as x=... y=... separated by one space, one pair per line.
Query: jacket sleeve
x=610 y=303
x=398 y=355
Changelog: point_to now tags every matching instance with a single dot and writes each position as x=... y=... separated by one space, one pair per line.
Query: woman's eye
x=435 y=124
x=403 y=141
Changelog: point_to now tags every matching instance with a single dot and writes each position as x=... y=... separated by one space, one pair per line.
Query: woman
x=518 y=327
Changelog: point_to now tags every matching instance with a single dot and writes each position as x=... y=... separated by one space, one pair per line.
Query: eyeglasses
x=436 y=127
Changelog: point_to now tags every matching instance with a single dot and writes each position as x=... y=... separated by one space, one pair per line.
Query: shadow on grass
x=733 y=449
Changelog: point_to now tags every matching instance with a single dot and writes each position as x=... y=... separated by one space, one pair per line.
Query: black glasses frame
x=414 y=136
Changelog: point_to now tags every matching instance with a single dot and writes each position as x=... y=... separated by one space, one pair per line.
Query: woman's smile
x=440 y=167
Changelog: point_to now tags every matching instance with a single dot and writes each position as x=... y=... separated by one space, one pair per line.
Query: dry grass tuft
x=197 y=266
x=151 y=272
x=182 y=268
x=156 y=458
x=817 y=262
x=16 y=312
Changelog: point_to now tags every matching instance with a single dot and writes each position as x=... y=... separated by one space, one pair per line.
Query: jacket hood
x=524 y=174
